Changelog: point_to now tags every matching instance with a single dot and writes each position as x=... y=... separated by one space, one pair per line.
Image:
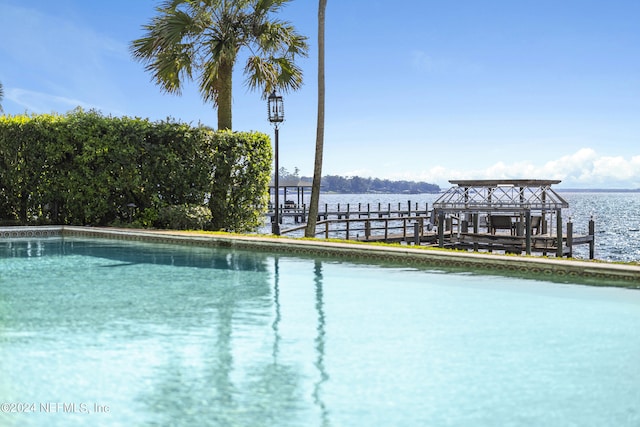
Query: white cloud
x=38 y=102
x=55 y=60
x=583 y=169
x=617 y=167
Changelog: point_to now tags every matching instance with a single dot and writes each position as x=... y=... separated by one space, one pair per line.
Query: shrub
x=86 y=169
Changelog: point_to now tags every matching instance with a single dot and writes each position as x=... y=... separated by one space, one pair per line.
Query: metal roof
x=284 y=182
x=514 y=195
x=496 y=182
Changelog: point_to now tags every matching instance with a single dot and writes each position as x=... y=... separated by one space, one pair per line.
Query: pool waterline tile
x=569 y=271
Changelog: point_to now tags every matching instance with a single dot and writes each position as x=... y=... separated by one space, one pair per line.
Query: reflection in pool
x=100 y=332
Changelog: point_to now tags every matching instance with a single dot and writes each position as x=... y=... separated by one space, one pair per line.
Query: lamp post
x=276 y=116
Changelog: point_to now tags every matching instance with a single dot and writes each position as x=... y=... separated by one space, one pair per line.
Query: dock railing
x=384 y=229
x=348 y=210
x=473 y=230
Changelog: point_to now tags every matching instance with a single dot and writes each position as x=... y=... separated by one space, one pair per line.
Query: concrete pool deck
x=535 y=267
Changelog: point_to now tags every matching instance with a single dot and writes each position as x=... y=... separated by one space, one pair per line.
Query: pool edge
x=587 y=272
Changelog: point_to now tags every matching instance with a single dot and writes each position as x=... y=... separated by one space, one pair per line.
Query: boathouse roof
x=509 y=195
x=288 y=182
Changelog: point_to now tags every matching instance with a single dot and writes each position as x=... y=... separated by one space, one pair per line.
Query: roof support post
x=527 y=220
x=559 y=232
x=592 y=243
x=441 y=229
x=476 y=229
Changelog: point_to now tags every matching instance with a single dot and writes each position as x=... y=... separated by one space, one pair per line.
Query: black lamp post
x=276 y=116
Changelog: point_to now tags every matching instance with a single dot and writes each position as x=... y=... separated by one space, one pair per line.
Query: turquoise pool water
x=101 y=332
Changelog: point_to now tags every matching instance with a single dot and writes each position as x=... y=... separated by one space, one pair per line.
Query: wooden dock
x=299 y=213
x=383 y=229
x=415 y=225
x=417 y=230
x=542 y=244
x=511 y=216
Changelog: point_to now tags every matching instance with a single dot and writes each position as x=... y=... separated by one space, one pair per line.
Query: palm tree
x=200 y=40
x=310 y=230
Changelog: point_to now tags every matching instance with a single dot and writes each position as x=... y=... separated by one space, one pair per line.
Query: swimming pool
x=105 y=332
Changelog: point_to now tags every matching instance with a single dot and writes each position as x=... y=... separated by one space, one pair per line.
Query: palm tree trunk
x=310 y=231
x=224 y=95
x=221 y=177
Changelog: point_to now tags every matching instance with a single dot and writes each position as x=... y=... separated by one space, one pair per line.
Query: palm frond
x=289 y=76
x=201 y=39
x=170 y=67
x=209 y=82
x=261 y=74
x=279 y=36
x=213 y=75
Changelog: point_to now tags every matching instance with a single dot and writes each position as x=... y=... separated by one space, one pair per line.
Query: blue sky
x=426 y=90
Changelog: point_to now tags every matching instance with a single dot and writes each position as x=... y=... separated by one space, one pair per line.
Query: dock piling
x=592 y=234
x=441 y=229
x=570 y=238
x=527 y=219
x=559 y=251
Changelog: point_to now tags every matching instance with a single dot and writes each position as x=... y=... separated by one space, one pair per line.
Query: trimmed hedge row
x=83 y=168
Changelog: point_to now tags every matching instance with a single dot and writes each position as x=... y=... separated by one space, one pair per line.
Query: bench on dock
x=504 y=222
x=536 y=223
x=501 y=222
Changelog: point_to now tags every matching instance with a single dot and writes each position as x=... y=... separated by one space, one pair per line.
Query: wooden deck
x=299 y=213
x=417 y=230
x=544 y=244
x=489 y=219
x=500 y=242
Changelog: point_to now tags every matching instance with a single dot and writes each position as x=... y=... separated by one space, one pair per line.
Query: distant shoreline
x=560 y=190
x=597 y=190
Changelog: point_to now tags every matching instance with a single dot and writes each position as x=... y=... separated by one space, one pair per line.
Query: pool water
x=102 y=332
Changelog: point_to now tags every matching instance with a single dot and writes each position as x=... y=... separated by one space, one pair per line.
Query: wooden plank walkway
x=417 y=231
x=411 y=224
x=544 y=244
x=352 y=210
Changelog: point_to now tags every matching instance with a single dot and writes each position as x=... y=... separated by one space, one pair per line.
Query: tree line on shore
x=357 y=184
x=360 y=185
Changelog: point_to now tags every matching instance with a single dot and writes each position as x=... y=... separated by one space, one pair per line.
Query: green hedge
x=83 y=168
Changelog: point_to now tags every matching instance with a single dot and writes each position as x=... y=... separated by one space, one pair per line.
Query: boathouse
x=516 y=215
x=293 y=190
x=511 y=216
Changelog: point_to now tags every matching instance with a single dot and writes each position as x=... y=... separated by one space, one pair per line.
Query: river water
x=616 y=215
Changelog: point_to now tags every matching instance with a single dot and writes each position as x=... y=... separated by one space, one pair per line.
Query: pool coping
x=555 y=269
